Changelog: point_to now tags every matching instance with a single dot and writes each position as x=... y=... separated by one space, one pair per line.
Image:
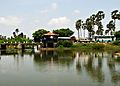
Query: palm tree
x=78 y=25
x=17 y=30
x=100 y=30
x=14 y=34
x=90 y=27
x=84 y=27
x=106 y=32
x=99 y=16
x=115 y=15
x=111 y=27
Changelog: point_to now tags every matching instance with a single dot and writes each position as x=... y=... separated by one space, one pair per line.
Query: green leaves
x=39 y=33
x=63 y=32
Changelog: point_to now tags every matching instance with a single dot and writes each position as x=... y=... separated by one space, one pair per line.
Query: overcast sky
x=30 y=15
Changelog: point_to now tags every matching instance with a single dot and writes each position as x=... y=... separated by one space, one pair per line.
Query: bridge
x=19 y=45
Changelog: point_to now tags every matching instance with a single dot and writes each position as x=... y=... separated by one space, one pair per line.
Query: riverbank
x=92 y=46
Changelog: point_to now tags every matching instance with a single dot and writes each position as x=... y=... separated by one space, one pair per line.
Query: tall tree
x=99 y=16
x=17 y=30
x=90 y=27
x=84 y=27
x=100 y=29
x=63 y=32
x=115 y=15
x=78 y=25
x=111 y=27
x=37 y=35
x=14 y=34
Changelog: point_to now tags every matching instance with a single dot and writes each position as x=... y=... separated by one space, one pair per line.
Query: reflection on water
x=59 y=68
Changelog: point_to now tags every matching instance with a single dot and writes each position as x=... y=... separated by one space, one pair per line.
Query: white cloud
x=61 y=21
x=54 y=6
x=10 y=21
x=76 y=12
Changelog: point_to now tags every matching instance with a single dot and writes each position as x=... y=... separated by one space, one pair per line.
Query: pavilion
x=49 y=40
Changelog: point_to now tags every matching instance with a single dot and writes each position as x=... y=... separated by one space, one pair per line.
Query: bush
x=64 y=43
x=98 y=46
x=116 y=42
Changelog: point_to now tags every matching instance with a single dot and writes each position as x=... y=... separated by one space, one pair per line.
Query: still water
x=59 y=68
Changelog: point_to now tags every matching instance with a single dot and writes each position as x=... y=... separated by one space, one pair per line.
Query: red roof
x=50 y=34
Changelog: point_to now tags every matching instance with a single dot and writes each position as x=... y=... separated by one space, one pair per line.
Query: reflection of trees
x=113 y=66
x=61 y=58
x=95 y=70
x=92 y=62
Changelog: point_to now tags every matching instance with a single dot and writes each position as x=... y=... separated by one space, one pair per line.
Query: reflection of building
x=49 y=40
x=104 y=38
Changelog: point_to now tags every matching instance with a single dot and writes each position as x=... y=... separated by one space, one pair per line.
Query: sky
x=31 y=15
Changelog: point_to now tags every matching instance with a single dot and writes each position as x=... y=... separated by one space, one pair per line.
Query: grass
x=95 y=46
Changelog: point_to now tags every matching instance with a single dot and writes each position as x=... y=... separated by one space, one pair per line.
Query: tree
x=84 y=27
x=17 y=30
x=78 y=25
x=115 y=15
x=63 y=32
x=111 y=27
x=100 y=30
x=37 y=35
x=99 y=16
x=14 y=34
x=90 y=27
x=117 y=35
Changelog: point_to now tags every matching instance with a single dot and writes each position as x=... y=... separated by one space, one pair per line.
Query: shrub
x=64 y=43
x=98 y=46
x=116 y=42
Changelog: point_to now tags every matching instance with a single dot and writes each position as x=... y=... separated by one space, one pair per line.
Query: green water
x=59 y=68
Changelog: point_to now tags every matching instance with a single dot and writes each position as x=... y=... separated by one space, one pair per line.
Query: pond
x=59 y=68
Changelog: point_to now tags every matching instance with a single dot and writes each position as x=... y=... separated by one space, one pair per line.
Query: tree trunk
x=78 y=35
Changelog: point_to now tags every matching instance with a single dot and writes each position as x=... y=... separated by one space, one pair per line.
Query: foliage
x=98 y=46
x=64 y=43
x=116 y=42
x=93 y=46
x=117 y=35
x=63 y=32
x=39 y=34
x=111 y=27
x=19 y=39
x=78 y=26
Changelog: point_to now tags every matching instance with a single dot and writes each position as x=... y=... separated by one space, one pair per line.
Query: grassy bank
x=93 y=46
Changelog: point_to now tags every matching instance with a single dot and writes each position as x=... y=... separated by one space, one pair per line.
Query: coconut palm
x=100 y=30
x=100 y=15
x=111 y=27
x=17 y=30
x=115 y=15
x=84 y=27
x=90 y=26
x=78 y=25
x=14 y=34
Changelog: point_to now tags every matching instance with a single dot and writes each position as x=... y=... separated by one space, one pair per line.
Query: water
x=59 y=68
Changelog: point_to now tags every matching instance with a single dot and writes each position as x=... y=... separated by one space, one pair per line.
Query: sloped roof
x=50 y=34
